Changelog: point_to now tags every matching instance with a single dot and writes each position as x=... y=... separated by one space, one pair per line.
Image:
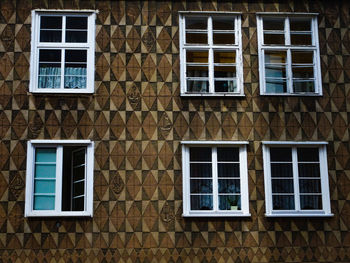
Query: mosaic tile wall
x=137 y=121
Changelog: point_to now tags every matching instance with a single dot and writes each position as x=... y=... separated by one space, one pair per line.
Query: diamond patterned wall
x=137 y=121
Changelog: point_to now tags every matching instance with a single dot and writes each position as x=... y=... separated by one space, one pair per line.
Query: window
x=62 y=55
x=59 y=178
x=215 y=179
x=211 y=54
x=296 y=179
x=289 y=58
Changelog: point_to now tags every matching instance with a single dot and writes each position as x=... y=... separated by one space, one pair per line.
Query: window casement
x=62 y=53
x=289 y=54
x=211 y=54
x=296 y=179
x=215 y=179
x=59 y=180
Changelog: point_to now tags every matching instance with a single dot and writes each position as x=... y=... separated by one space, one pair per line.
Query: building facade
x=143 y=131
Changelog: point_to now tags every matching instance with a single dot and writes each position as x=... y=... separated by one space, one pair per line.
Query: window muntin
x=296 y=179
x=212 y=56
x=289 y=55
x=59 y=178
x=62 y=58
x=215 y=180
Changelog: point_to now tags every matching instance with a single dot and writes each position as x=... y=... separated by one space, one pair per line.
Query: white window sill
x=292 y=94
x=227 y=214
x=59 y=91
x=296 y=214
x=223 y=94
x=58 y=214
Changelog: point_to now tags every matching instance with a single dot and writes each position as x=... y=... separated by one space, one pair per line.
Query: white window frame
x=89 y=177
x=187 y=212
x=237 y=47
x=288 y=47
x=297 y=212
x=36 y=45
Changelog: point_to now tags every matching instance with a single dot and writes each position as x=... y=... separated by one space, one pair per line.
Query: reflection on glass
x=309 y=170
x=49 y=69
x=201 y=202
x=275 y=57
x=196 y=38
x=303 y=72
x=231 y=186
x=200 y=186
x=312 y=186
x=310 y=202
x=197 y=71
x=220 y=23
x=306 y=154
x=281 y=170
x=202 y=154
x=283 y=202
x=228 y=154
x=229 y=202
x=273 y=23
x=228 y=169
x=196 y=23
x=224 y=38
x=197 y=56
x=282 y=186
x=200 y=169
x=197 y=85
x=224 y=57
x=275 y=72
x=226 y=85
x=304 y=86
x=302 y=57
x=273 y=39
x=275 y=86
x=280 y=154
x=301 y=39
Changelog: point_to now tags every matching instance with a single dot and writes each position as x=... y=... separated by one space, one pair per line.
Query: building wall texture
x=137 y=120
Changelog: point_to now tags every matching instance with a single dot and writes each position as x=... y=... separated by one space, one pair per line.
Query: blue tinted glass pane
x=44 y=202
x=45 y=155
x=201 y=202
x=45 y=171
x=230 y=202
x=44 y=186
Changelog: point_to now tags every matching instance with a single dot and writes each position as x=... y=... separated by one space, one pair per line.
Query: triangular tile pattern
x=137 y=119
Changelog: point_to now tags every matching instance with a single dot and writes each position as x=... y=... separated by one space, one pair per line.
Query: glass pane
x=273 y=23
x=228 y=154
x=309 y=202
x=281 y=186
x=303 y=72
x=197 y=56
x=201 y=202
x=78 y=188
x=301 y=39
x=275 y=57
x=280 y=154
x=45 y=171
x=75 y=69
x=201 y=186
x=45 y=154
x=51 y=29
x=51 y=22
x=276 y=86
x=232 y=186
x=297 y=24
x=224 y=72
x=224 y=57
x=224 y=38
x=78 y=204
x=196 y=38
x=220 y=23
x=197 y=71
x=197 y=86
x=196 y=23
x=308 y=154
x=79 y=173
x=76 y=29
x=76 y=22
x=44 y=186
x=44 y=202
x=225 y=85
x=79 y=157
x=304 y=86
x=309 y=170
x=228 y=170
x=273 y=39
x=229 y=202
x=202 y=154
x=312 y=186
x=275 y=72
x=76 y=36
x=200 y=169
x=302 y=57
x=49 y=69
x=283 y=202
x=281 y=170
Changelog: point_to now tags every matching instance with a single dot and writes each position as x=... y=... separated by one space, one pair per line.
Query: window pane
x=224 y=38
x=225 y=85
x=45 y=155
x=301 y=39
x=200 y=169
x=224 y=72
x=76 y=22
x=275 y=72
x=297 y=24
x=310 y=202
x=274 y=23
x=45 y=171
x=228 y=154
x=197 y=56
x=273 y=39
x=282 y=154
x=302 y=57
x=44 y=186
x=78 y=204
x=228 y=170
x=308 y=154
x=220 y=23
x=303 y=72
x=304 y=86
x=78 y=188
x=44 y=202
x=282 y=186
x=224 y=57
x=51 y=22
x=196 y=38
x=79 y=173
x=312 y=186
x=75 y=69
x=50 y=29
x=200 y=154
x=283 y=202
x=49 y=69
x=196 y=23
x=275 y=86
x=229 y=202
x=197 y=71
x=79 y=157
x=76 y=29
x=309 y=170
x=281 y=170
x=201 y=202
x=201 y=186
x=232 y=186
x=275 y=57
x=197 y=86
